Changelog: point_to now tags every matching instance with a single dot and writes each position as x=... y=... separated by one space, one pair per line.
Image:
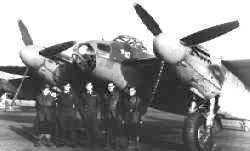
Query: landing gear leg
x=197 y=132
x=208 y=139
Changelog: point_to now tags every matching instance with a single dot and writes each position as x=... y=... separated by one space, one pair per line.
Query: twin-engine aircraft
x=178 y=66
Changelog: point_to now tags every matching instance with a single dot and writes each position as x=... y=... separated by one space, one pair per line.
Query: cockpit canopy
x=104 y=47
x=84 y=48
x=131 y=41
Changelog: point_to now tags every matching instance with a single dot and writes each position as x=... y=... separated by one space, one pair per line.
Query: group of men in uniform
x=58 y=112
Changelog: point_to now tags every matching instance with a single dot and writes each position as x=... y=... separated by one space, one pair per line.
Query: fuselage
x=106 y=65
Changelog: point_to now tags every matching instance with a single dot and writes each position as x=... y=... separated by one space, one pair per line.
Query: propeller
x=148 y=20
x=27 y=40
x=193 y=39
x=209 y=33
x=55 y=49
x=25 y=34
x=161 y=44
x=47 y=52
x=154 y=27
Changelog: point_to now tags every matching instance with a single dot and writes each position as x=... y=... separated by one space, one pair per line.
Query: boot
x=59 y=137
x=38 y=143
x=131 y=145
x=72 y=139
x=59 y=142
x=117 y=144
x=48 y=141
x=108 y=148
x=137 y=145
x=62 y=138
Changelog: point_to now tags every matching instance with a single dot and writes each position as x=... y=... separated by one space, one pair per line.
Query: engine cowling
x=168 y=49
x=30 y=56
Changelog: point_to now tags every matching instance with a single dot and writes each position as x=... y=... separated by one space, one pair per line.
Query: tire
x=194 y=124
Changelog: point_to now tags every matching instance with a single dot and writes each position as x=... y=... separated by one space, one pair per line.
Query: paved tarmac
x=162 y=131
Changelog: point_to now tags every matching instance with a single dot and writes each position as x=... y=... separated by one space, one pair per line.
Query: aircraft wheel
x=195 y=134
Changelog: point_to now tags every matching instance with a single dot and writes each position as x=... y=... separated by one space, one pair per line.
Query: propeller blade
x=25 y=34
x=209 y=33
x=148 y=20
x=55 y=49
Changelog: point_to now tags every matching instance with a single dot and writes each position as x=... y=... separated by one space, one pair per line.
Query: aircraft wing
x=148 y=69
x=168 y=96
x=240 y=68
x=10 y=78
x=140 y=72
x=19 y=70
x=142 y=61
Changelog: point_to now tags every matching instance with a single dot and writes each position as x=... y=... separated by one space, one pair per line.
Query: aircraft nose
x=168 y=49
x=85 y=57
x=30 y=56
x=85 y=62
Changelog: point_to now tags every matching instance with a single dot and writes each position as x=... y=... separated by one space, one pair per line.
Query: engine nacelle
x=30 y=56
x=55 y=74
x=168 y=49
x=47 y=69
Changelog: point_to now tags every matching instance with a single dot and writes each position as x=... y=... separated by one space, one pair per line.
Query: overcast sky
x=53 y=21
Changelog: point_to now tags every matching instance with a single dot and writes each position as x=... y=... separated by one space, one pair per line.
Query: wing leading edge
x=10 y=78
x=240 y=68
x=168 y=96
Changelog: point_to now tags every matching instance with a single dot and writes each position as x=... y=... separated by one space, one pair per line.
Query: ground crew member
x=44 y=117
x=132 y=117
x=55 y=117
x=4 y=103
x=67 y=116
x=112 y=118
x=90 y=106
